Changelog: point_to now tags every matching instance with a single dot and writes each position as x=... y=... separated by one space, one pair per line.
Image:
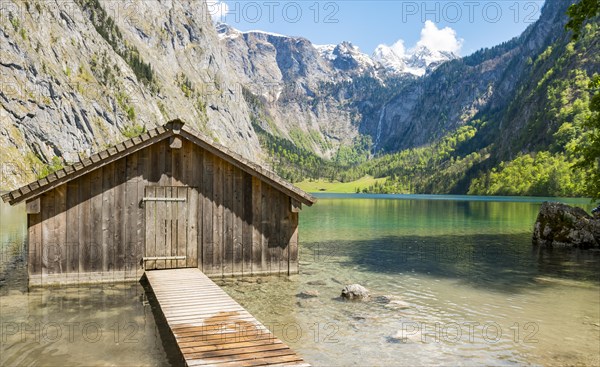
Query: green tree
x=590 y=152
x=578 y=14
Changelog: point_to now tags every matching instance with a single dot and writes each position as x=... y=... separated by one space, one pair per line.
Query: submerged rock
x=559 y=224
x=392 y=302
x=355 y=292
x=308 y=294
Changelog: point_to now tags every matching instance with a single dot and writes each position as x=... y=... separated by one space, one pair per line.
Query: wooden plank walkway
x=211 y=329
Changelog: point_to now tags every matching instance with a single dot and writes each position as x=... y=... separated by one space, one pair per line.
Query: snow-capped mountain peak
x=390 y=59
x=346 y=56
x=417 y=61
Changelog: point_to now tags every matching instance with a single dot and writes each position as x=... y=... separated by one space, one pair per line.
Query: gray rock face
x=355 y=292
x=287 y=74
x=563 y=225
x=68 y=90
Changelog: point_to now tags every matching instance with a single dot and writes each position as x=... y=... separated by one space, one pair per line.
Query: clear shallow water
x=101 y=325
x=465 y=284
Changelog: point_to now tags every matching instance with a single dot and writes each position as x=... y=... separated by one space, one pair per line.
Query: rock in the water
x=355 y=291
x=308 y=294
x=385 y=299
x=559 y=224
x=316 y=282
x=392 y=302
x=398 y=305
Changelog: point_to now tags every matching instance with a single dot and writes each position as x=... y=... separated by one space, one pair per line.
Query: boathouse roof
x=172 y=128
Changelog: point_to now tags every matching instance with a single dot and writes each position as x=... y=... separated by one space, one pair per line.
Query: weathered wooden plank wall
x=95 y=228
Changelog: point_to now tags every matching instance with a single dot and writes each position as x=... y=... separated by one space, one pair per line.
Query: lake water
x=454 y=281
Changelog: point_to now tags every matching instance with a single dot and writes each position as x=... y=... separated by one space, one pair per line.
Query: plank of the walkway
x=210 y=328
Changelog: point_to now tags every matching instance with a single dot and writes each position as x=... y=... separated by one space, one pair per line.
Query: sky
x=459 y=26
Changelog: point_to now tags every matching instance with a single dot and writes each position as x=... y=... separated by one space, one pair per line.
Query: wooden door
x=166 y=227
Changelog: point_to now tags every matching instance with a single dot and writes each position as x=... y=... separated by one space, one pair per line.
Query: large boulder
x=563 y=225
x=355 y=292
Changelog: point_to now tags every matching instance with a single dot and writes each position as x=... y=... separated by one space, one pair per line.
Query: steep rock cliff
x=79 y=76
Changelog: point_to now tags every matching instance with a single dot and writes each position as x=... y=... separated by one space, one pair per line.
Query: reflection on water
x=453 y=282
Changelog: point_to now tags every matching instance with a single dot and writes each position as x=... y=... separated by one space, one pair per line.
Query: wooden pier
x=210 y=328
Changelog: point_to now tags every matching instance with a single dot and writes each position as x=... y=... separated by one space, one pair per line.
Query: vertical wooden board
x=167 y=177
x=229 y=255
x=96 y=251
x=246 y=220
x=131 y=167
x=293 y=245
x=34 y=241
x=108 y=223
x=170 y=224
x=150 y=213
x=155 y=169
x=131 y=208
x=207 y=213
x=182 y=224
x=191 y=176
x=175 y=209
x=174 y=226
x=48 y=238
x=238 y=214
x=176 y=167
x=119 y=213
x=161 y=226
x=283 y=234
x=164 y=175
x=73 y=227
x=185 y=166
x=275 y=220
x=144 y=165
x=266 y=227
x=198 y=160
x=217 y=261
x=130 y=222
x=60 y=227
x=85 y=207
x=191 y=248
x=257 y=253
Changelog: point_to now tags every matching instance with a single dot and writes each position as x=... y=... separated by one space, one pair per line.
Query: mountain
x=79 y=76
x=287 y=75
x=466 y=124
x=319 y=96
x=346 y=57
x=323 y=97
x=76 y=78
x=458 y=90
x=418 y=61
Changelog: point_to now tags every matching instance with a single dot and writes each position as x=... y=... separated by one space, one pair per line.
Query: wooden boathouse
x=169 y=198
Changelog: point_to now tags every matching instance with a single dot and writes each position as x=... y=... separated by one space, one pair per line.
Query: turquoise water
x=465 y=283
x=454 y=281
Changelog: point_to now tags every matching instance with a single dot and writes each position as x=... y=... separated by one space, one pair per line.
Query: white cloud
x=217 y=9
x=440 y=39
x=432 y=37
x=398 y=48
